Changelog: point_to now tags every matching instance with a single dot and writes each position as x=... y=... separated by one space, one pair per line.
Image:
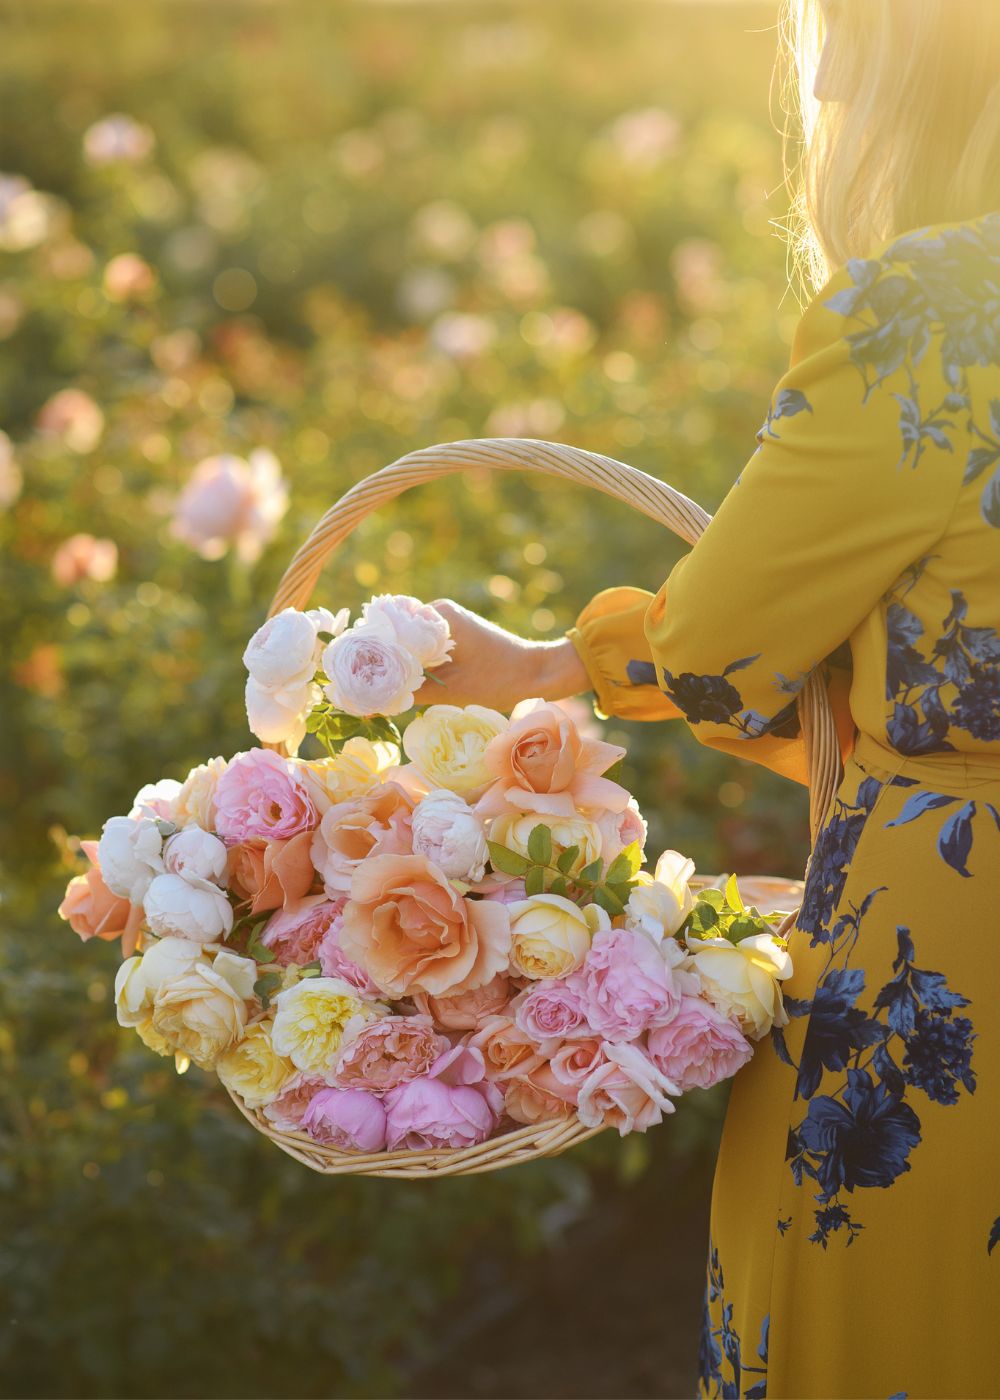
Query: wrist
x=561 y=672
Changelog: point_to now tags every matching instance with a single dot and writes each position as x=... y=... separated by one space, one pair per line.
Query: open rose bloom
x=417 y=942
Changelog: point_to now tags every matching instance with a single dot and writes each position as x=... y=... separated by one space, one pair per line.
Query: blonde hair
x=914 y=137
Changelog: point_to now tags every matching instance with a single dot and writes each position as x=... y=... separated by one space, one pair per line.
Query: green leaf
x=534 y=881
x=566 y=859
x=619 y=869
x=742 y=927
x=265 y=986
x=621 y=889
x=614 y=773
x=560 y=886
x=634 y=853
x=608 y=901
x=715 y=899
x=591 y=871
x=540 y=844
x=733 y=897
x=507 y=861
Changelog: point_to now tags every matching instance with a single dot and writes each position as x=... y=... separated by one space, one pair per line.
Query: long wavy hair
x=913 y=137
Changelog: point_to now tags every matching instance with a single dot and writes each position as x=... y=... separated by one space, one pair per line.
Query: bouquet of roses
x=434 y=932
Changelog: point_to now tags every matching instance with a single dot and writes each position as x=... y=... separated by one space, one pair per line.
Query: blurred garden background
x=312 y=237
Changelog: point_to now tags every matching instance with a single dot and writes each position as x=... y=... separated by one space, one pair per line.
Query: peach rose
x=468 y=1010
x=84 y=557
x=536 y=1097
x=378 y=822
x=541 y=764
x=271 y=874
x=93 y=911
x=505 y=1049
x=412 y=930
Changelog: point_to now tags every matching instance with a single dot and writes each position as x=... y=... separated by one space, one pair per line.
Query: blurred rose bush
x=228 y=291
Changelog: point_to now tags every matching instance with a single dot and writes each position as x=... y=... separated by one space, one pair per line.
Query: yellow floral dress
x=855 y=1237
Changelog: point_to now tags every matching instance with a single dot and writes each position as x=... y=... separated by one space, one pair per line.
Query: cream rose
x=138 y=978
x=129 y=854
x=195 y=855
x=203 y=1013
x=310 y=1019
x=447 y=831
x=254 y=1069
x=743 y=980
x=181 y=907
x=550 y=935
x=195 y=802
x=419 y=628
x=662 y=901
x=513 y=829
x=447 y=744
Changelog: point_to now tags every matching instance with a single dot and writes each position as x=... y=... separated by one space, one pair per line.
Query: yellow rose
x=550 y=935
x=195 y=803
x=310 y=1019
x=742 y=980
x=138 y=979
x=253 y=1068
x=661 y=902
x=350 y=772
x=447 y=743
x=203 y=1012
x=513 y=830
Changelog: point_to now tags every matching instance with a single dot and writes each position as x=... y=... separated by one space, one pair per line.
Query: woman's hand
x=489 y=666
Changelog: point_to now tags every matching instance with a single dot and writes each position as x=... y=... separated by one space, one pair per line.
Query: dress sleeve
x=827 y=514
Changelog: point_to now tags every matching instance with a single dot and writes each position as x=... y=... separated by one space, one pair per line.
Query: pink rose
x=505 y=1049
x=411 y=929
x=370 y=672
x=699 y=1047
x=378 y=822
x=542 y=765
x=572 y=1063
x=453 y=1106
x=553 y=1009
x=286 y=1111
x=260 y=798
x=84 y=557
x=349 y=1119
x=296 y=934
x=334 y=962
x=505 y=889
x=388 y=1052
x=620 y=829
x=73 y=418
x=625 y=985
x=535 y=1097
x=231 y=501
x=94 y=911
x=625 y=1091
x=419 y=627
x=468 y=1010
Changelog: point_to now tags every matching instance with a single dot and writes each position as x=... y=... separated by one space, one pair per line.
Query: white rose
x=660 y=903
x=550 y=935
x=156 y=800
x=282 y=652
x=187 y=908
x=447 y=743
x=513 y=829
x=310 y=1019
x=195 y=855
x=129 y=854
x=196 y=800
x=743 y=980
x=369 y=672
x=419 y=628
x=138 y=978
x=448 y=832
x=279 y=718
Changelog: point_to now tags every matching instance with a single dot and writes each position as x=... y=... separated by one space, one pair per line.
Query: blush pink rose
x=572 y=1063
x=349 y=1119
x=94 y=911
x=388 y=1052
x=286 y=1111
x=553 y=1009
x=505 y=889
x=536 y=1097
x=542 y=765
x=378 y=822
x=84 y=557
x=468 y=1010
x=272 y=874
x=625 y=1091
x=231 y=501
x=505 y=1049
x=296 y=934
x=625 y=985
x=620 y=829
x=334 y=962
x=699 y=1047
x=453 y=1106
x=408 y=926
x=260 y=798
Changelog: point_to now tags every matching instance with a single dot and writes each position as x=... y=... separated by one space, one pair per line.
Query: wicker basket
x=652 y=498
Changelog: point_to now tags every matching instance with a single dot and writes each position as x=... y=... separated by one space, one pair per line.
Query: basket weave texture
x=649 y=496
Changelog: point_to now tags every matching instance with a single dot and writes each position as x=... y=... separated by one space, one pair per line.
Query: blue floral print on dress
x=725 y=1373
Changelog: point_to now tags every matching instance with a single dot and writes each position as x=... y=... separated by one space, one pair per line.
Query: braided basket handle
x=644 y=493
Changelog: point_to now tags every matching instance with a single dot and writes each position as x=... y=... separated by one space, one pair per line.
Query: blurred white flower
x=73 y=419
x=117 y=137
x=27 y=216
x=424 y=291
x=443 y=229
x=231 y=502
x=645 y=136
x=462 y=334
x=10 y=473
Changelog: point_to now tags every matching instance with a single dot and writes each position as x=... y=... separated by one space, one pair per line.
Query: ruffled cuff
x=610 y=639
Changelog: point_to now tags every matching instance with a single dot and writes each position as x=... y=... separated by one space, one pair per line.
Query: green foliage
x=379 y=173
x=722 y=914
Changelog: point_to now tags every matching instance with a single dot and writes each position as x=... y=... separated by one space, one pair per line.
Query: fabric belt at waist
x=941 y=772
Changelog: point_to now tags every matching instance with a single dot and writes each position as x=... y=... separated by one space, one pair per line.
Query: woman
x=855 y=1245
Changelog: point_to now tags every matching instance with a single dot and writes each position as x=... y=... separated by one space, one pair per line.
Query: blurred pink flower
x=229 y=501
x=11 y=479
x=128 y=277
x=116 y=137
x=72 y=418
x=84 y=557
x=645 y=136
